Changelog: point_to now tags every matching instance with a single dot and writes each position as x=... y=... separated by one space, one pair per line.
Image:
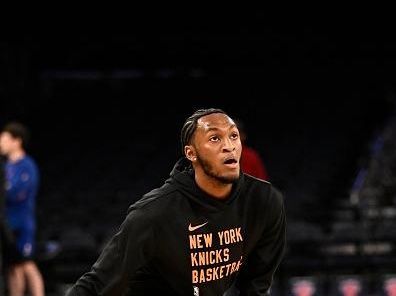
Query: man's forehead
x=214 y=120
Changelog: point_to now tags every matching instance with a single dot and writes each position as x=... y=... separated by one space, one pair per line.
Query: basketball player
x=209 y=230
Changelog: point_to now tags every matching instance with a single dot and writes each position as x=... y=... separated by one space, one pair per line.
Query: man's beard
x=208 y=170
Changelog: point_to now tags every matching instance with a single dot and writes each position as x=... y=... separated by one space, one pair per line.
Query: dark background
x=106 y=107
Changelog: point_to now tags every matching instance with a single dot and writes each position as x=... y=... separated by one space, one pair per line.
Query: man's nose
x=229 y=145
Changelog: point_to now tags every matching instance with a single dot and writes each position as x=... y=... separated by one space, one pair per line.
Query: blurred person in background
x=2 y=223
x=303 y=288
x=390 y=286
x=210 y=230
x=350 y=287
x=251 y=162
x=22 y=182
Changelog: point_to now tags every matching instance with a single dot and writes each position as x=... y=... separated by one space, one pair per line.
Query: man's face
x=217 y=147
x=7 y=143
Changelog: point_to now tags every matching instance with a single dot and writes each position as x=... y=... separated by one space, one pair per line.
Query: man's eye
x=214 y=138
x=234 y=136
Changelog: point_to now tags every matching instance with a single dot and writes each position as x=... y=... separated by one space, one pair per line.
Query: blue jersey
x=22 y=181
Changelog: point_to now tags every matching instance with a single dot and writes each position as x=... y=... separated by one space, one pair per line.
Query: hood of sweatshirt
x=182 y=177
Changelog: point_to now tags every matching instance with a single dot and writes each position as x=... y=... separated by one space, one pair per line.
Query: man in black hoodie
x=210 y=230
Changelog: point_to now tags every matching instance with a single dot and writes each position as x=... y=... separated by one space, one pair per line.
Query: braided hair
x=190 y=125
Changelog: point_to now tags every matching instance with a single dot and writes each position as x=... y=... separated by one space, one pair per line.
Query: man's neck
x=212 y=187
x=16 y=155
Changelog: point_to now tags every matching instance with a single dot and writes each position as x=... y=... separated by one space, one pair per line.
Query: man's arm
x=129 y=250
x=19 y=186
x=257 y=275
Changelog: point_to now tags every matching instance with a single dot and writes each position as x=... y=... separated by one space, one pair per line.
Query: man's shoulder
x=151 y=207
x=29 y=163
x=264 y=190
x=154 y=198
x=257 y=181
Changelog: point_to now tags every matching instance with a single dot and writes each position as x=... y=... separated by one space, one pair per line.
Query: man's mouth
x=230 y=161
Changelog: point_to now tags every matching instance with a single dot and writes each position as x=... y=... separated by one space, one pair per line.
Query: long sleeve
x=22 y=185
x=129 y=250
x=257 y=276
x=2 y=189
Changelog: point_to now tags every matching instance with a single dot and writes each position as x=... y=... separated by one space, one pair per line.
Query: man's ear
x=189 y=151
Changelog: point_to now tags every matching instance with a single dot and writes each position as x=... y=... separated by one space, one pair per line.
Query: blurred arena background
x=106 y=108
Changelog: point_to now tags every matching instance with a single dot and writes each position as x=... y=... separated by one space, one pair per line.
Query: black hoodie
x=178 y=240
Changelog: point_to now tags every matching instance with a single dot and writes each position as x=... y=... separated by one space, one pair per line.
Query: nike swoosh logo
x=192 y=228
